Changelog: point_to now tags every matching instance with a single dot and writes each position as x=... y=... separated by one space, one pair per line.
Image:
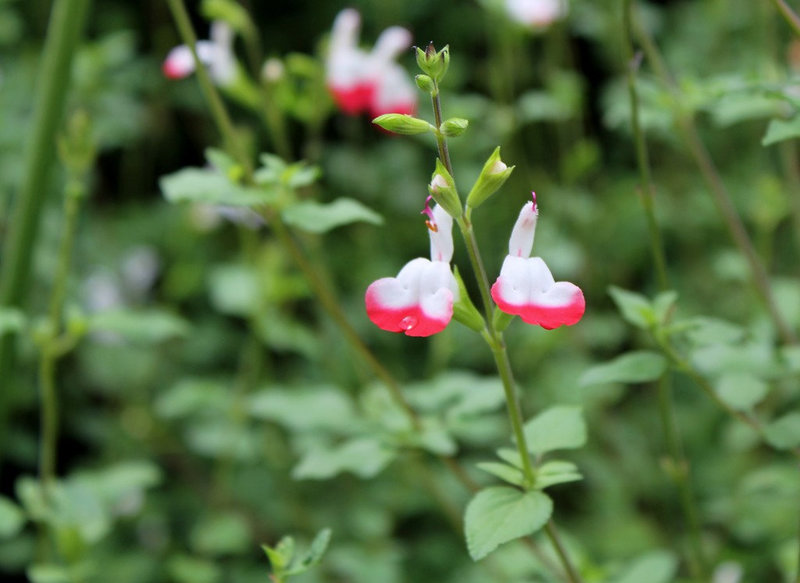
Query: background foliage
x=213 y=407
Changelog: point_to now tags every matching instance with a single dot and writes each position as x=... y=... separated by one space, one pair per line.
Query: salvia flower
x=370 y=82
x=526 y=287
x=216 y=54
x=419 y=301
x=537 y=14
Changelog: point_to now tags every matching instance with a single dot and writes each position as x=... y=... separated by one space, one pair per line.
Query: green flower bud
x=443 y=190
x=432 y=62
x=464 y=310
x=492 y=177
x=425 y=83
x=454 y=127
x=400 y=123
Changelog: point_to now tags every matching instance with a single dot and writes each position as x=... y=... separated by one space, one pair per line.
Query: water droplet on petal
x=408 y=322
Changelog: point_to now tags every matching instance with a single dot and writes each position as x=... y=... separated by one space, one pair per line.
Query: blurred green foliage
x=212 y=407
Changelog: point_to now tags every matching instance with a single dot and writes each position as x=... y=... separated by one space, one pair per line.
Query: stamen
x=430 y=222
x=533 y=196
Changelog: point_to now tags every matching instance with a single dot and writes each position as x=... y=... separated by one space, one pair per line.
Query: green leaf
x=186 y=569
x=12 y=518
x=663 y=304
x=140 y=326
x=784 y=433
x=556 y=472
x=48 y=573
x=634 y=367
x=221 y=534
x=559 y=427
x=234 y=289
x=281 y=556
x=365 y=457
x=741 y=391
x=315 y=217
x=779 y=130
x=510 y=456
x=635 y=308
x=653 y=567
x=500 y=514
x=303 y=409
x=11 y=320
x=314 y=555
x=202 y=185
x=505 y=472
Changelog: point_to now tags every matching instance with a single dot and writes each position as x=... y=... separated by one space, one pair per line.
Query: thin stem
x=218 y=111
x=717 y=189
x=555 y=539
x=646 y=184
x=681 y=475
x=63 y=33
x=51 y=351
x=494 y=338
x=791 y=17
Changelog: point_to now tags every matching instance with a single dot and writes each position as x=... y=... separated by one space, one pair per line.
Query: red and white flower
x=371 y=82
x=419 y=301
x=216 y=54
x=527 y=289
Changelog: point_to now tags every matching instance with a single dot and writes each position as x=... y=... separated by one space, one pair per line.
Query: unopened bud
x=443 y=191
x=454 y=127
x=425 y=83
x=492 y=177
x=400 y=123
x=432 y=62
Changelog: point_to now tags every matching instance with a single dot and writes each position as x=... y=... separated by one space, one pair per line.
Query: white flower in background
x=371 y=82
x=216 y=54
x=537 y=14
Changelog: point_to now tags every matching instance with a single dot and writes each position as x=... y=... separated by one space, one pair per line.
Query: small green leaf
x=11 y=518
x=556 y=472
x=140 y=326
x=784 y=432
x=559 y=427
x=315 y=217
x=505 y=472
x=208 y=186
x=634 y=367
x=11 y=320
x=314 y=555
x=741 y=391
x=48 y=573
x=281 y=556
x=510 y=456
x=663 y=304
x=500 y=514
x=779 y=130
x=365 y=457
x=635 y=308
x=225 y=533
x=653 y=567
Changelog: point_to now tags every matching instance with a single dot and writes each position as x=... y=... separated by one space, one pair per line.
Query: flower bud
x=454 y=127
x=434 y=63
x=425 y=83
x=443 y=190
x=491 y=178
x=464 y=310
x=400 y=123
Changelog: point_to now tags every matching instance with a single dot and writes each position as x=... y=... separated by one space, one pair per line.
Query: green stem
x=63 y=33
x=698 y=564
x=642 y=158
x=716 y=186
x=51 y=351
x=789 y=15
x=681 y=475
x=555 y=539
x=218 y=111
x=495 y=340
